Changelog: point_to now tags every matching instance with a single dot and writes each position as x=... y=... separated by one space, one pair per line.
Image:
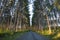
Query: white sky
x=31 y=10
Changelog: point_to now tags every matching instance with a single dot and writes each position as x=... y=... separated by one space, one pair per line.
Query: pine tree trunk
x=48 y=24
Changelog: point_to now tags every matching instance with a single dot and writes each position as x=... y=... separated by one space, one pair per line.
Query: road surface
x=32 y=36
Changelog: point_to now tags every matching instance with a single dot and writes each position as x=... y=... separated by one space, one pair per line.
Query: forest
x=16 y=19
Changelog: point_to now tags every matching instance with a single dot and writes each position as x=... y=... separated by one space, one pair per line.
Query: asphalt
x=32 y=36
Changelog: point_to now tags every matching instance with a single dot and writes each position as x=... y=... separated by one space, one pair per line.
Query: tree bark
x=48 y=24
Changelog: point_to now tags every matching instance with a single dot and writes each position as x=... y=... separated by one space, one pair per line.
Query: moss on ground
x=55 y=34
x=11 y=35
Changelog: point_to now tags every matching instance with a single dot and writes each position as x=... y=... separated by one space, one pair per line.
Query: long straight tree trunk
x=54 y=22
x=48 y=24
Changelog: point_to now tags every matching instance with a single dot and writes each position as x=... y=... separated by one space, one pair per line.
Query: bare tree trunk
x=20 y=24
x=39 y=23
x=48 y=24
x=15 y=21
x=11 y=25
x=54 y=23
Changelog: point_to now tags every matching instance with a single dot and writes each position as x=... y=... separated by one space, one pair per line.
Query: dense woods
x=46 y=14
x=15 y=17
x=14 y=14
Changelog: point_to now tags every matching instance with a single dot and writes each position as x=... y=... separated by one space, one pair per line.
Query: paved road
x=32 y=36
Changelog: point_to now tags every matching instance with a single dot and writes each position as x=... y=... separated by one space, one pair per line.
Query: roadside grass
x=11 y=35
x=54 y=35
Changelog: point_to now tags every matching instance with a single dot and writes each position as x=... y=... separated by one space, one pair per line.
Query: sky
x=31 y=4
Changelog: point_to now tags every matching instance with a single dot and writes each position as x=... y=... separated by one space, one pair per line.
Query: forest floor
x=54 y=35
x=11 y=35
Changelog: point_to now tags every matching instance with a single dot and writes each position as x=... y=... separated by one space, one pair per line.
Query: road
x=32 y=36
